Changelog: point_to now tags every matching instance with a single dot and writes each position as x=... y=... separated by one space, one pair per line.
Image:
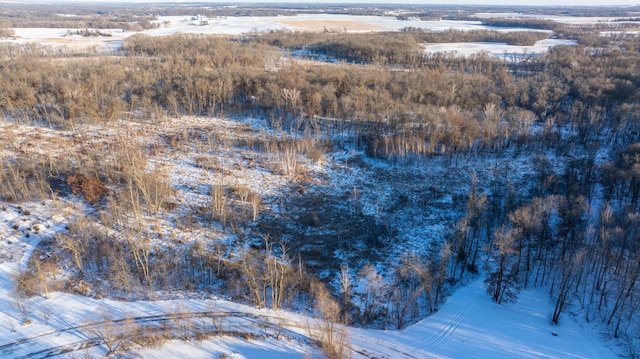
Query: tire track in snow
x=448 y=329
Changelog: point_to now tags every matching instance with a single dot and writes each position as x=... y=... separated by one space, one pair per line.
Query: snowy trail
x=376 y=347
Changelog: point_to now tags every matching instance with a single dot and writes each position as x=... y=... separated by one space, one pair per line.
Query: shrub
x=91 y=188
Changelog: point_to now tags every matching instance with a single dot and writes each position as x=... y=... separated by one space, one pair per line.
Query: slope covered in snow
x=470 y=325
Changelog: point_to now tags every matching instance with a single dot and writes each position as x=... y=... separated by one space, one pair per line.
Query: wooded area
x=578 y=105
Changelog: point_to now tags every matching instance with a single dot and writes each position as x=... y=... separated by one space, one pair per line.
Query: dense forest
x=572 y=226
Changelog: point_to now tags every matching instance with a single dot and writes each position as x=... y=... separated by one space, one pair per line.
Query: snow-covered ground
x=621 y=32
x=233 y=348
x=498 y=49
x=470 y=325
x=61 y=38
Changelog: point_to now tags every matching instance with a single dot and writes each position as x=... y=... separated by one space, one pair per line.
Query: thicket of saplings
x=574 y=102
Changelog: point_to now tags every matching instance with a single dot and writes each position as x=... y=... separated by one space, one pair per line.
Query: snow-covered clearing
x=503 y=50
x=60 y=38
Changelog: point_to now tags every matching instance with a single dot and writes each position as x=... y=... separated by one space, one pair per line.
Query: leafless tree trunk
x=502 y=282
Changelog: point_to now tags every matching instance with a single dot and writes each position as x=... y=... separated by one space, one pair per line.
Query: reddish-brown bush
x=91 y=188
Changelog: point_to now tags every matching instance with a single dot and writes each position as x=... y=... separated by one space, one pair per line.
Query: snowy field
x=508 y=52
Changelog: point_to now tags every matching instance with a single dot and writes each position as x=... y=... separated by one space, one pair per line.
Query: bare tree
x=115 y=335
x=278 y=271
x=564 y=281
x=346 y=293
x=42 y=272
x=502 y=283
x=256 y=203
x=24 y=311
x=333 y=338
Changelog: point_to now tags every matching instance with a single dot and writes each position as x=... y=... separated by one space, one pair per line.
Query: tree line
x=448 y=101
